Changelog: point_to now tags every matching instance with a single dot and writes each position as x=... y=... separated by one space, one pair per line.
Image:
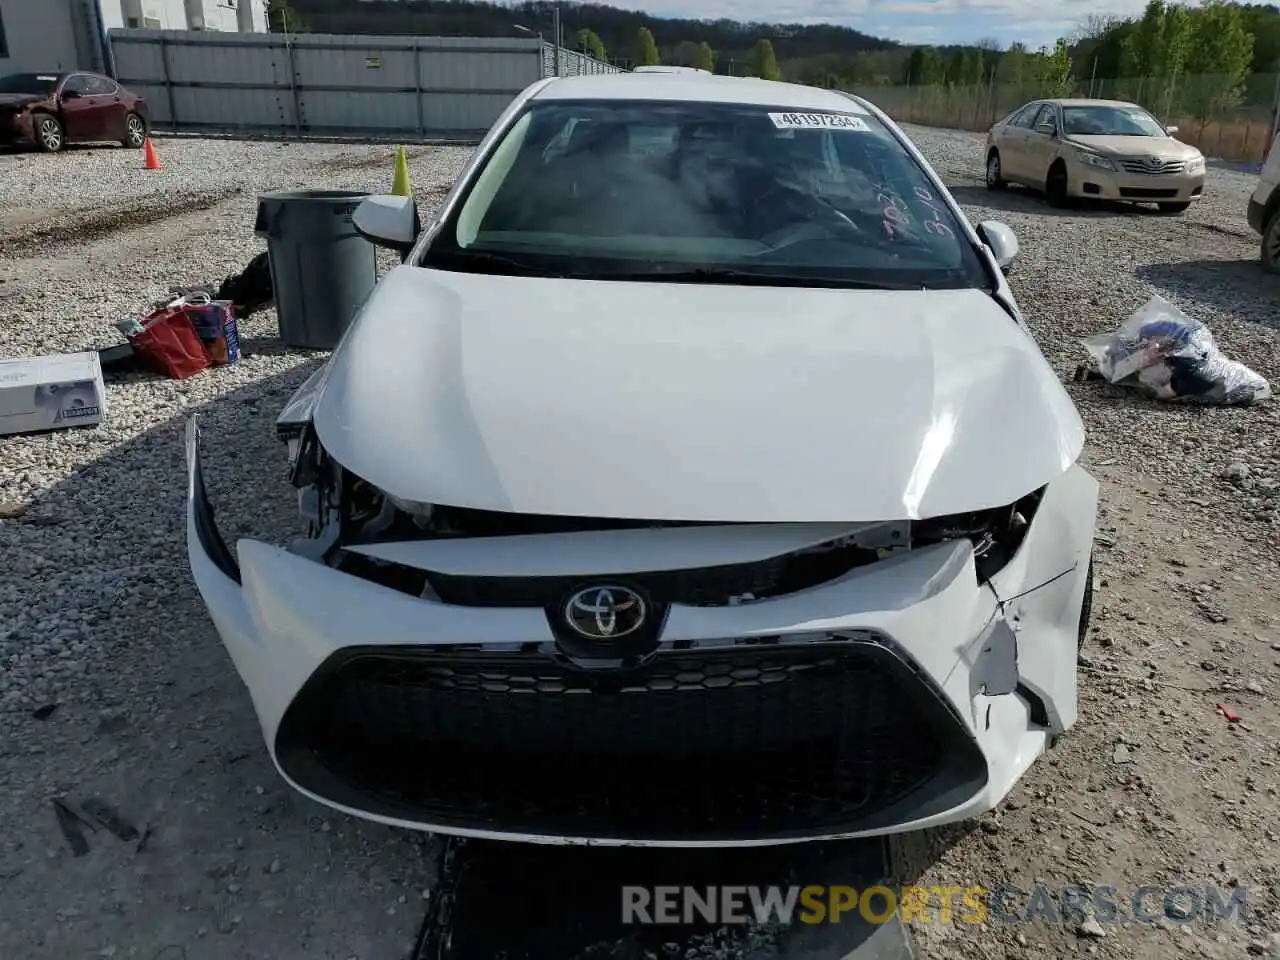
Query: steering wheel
x=833 y=222
x=798 y=232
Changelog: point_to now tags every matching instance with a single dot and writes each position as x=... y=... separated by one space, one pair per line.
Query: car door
x=1042 y=144
x=1012 y=143
x=76 y=111
x=84 y=112
x=108 y=100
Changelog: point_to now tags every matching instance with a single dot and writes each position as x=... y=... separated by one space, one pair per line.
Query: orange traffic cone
x=153 y=160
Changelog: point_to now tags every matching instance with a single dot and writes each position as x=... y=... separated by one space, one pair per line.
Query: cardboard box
x=49 y=393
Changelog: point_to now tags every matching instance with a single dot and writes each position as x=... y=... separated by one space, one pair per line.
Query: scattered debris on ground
x=1163 y=353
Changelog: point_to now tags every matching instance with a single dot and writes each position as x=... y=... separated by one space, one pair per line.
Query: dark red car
x=50 y=110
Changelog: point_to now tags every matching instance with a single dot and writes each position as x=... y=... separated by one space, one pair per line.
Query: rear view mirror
x=1171 y=130
x=1047 y=128
x=388 y=221
x=1001 y=241
x=70 y=94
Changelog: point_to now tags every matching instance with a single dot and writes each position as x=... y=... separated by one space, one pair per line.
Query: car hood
x=1166 y=148
x=691 y=402
x=20 y=99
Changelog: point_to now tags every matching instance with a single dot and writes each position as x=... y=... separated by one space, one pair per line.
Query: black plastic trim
x=961 y=774
x=1037 y=712
x=206 y=529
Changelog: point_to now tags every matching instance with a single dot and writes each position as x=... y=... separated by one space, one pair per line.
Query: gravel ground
x=113 y=683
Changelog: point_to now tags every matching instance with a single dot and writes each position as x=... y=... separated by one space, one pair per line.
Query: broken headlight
x=995 y=534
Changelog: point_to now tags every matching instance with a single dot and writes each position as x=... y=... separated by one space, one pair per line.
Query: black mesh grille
x=702 y=745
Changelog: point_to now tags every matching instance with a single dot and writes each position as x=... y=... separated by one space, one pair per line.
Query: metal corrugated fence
x=323 y=85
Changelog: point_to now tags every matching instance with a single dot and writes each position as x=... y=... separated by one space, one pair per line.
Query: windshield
x=706 y=192
x=1110 y=122
x=41 y=83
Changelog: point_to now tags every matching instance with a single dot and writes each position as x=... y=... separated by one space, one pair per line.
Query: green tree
x=1055 y=75
x=1104 y=57
x=1220 y=59
x=588 y=40
x=966 y=69
x=914 y=68
x=686 y=54
x=1141 y=54
x=1155 y=51
x=933 y=69
x=926 y=68
x=764 y=62
x=1264 y=24
x=646 y=50
x=1012 y=68
x=282 y=18
x=706 y=59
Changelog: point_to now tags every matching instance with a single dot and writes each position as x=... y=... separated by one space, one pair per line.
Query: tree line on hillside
x=733 y=44
x=1196 y=61
x=1193 y=61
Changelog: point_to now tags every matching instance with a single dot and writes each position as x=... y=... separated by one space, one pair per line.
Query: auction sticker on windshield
x=818 y=121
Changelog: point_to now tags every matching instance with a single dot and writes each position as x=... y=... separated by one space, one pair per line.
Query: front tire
x=135 y=132
x=1055 y=186
x=50 y=137
x=1271 y=244
x=995 y=178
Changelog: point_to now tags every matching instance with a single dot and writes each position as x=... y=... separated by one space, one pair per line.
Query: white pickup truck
x=1264 y=209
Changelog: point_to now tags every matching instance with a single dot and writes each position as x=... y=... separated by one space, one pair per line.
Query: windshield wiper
x=481 y=261
x=729 y=275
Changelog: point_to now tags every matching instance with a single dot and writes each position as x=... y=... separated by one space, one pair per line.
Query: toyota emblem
x=605 y=613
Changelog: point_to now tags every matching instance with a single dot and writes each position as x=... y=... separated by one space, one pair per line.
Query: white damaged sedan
x=694 y=481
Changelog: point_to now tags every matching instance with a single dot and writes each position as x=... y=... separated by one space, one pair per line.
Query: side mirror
x=388 y=221
x=1171 y=130
x=1001 y=241
x=1047 y=128
x=70 y=94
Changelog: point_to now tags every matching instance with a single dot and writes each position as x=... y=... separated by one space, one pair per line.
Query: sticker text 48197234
x=819 y=121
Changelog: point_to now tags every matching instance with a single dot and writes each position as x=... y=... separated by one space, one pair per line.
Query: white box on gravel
x=49 y=393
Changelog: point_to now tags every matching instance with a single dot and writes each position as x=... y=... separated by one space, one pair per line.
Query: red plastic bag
x=170 y=344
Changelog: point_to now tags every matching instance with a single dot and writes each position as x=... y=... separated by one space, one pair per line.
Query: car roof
x=698 y=87
x=1083 y=102
x=672 y=69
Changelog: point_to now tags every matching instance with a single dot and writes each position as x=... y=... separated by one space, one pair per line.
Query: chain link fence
x=572 y=63
x=1225 y=121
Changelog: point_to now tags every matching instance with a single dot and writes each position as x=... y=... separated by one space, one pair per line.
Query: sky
x=1033 y=22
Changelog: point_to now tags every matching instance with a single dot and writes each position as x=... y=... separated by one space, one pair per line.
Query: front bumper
x=1094 y=182
x=16 y=128
x=900 y=696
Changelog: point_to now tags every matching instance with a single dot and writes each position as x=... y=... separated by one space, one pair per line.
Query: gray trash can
x=321 y=269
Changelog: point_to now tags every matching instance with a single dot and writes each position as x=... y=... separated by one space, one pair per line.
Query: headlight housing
x=1096 y=160
x=1195 y=165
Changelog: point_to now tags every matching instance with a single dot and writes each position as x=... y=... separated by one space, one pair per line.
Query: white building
x=58 y=35
x=245 y=16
